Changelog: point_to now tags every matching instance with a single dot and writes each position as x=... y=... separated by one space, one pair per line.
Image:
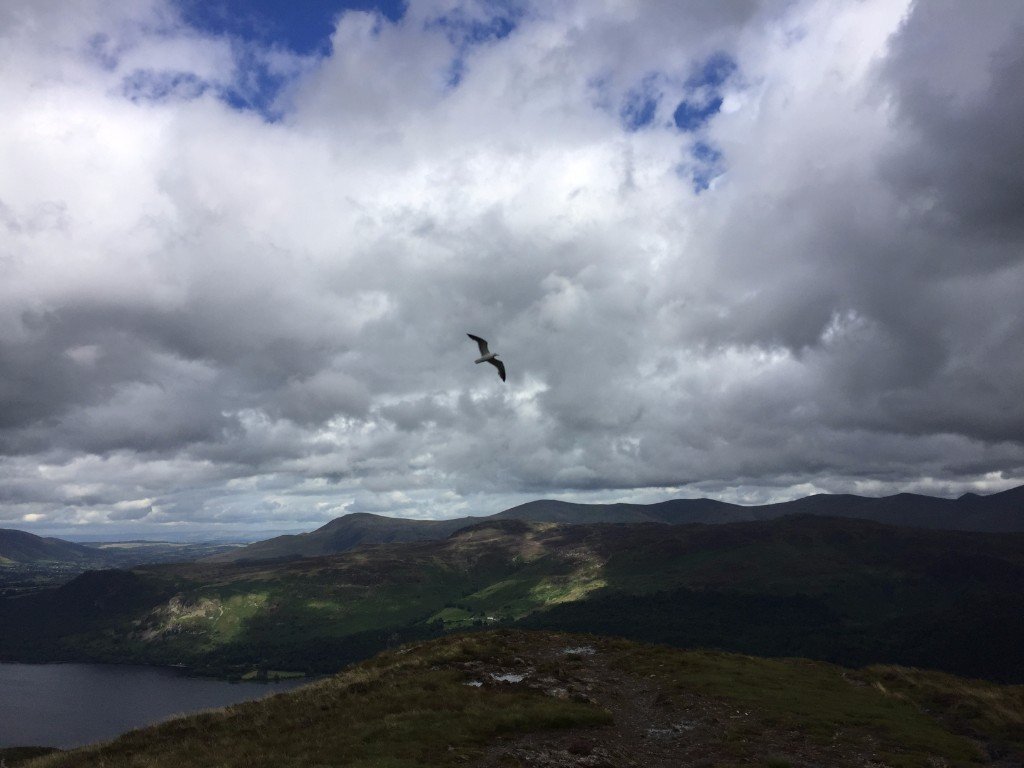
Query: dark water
x=68 y=705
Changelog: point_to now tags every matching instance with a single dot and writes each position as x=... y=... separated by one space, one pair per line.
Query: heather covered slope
x=514 y=698
x=839 y=590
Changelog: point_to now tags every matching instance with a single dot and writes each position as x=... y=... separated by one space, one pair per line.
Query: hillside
x=999 y=512
x=22 y=548
x=546 y=699
x=359 y=529
x=847 y=591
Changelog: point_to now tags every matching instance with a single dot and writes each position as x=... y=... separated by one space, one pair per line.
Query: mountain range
x=998 y=512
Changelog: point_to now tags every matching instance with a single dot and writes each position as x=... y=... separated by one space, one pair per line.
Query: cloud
x=229 y=303
x=960 y=163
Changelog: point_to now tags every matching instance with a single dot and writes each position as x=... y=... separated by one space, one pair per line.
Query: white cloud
x=253 y=323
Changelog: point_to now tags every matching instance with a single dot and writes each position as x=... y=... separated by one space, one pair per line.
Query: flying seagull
x=488 y=356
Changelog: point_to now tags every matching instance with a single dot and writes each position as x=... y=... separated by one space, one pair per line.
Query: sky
x=744 y=250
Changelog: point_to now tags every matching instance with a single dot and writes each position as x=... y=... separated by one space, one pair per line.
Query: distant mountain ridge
x=1001 y=512
x=23 y=548
x=996 y=513
x=347 y=532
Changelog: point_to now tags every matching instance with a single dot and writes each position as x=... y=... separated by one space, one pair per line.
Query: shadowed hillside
x=21 y=548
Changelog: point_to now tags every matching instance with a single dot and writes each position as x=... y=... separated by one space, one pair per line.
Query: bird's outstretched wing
x=499 y=365
x=480 y=343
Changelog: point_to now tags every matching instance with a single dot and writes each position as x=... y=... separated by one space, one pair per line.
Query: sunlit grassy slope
x=612 y=702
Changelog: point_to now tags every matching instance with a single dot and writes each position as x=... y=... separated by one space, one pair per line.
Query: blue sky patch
x=465 y=30
x=689 y=115
x=100 y=48
x=641 y=104
x=707 y=165
x=713 y=72
x=256 y=87
x=639 y=112
x=303 y=27
x=152 y=85
x=704 y=99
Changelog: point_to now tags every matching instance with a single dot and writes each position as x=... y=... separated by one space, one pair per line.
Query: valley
x=840 y=590
x=31 y=563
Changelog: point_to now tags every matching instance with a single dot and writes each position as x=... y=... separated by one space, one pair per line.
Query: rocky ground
x=660 y=723
x=503 y=698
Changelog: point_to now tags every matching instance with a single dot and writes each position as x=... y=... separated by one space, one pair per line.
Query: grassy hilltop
x=511 y=698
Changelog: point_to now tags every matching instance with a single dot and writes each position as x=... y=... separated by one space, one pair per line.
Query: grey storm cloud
x=217 y=318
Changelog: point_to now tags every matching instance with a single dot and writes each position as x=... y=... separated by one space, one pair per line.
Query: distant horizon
x=248 y=537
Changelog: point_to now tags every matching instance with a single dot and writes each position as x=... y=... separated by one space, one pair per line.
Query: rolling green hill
x=839 y=590
x=514 y=698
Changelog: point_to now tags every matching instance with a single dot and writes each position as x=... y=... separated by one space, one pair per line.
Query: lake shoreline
x=65 y=705
x=252 y=675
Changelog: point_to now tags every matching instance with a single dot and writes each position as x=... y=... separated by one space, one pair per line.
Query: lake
x=68 y=705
